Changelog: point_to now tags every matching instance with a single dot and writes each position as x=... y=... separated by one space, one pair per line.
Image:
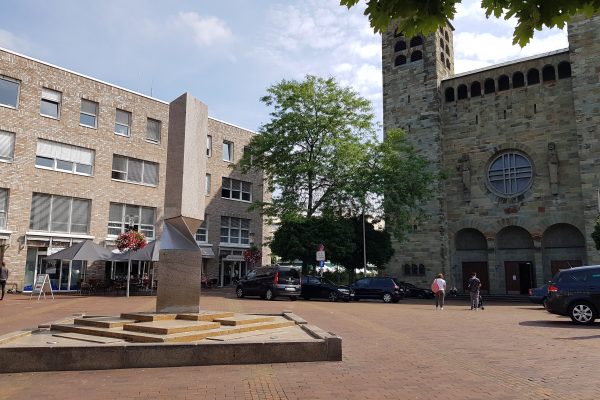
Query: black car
x=314 y=287
x=271 y=282
x=575 y=293
x=384 y=288
x=539 y=295
x=411 y=290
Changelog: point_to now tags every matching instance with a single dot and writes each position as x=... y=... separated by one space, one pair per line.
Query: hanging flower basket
x=131 y=240
x=252 y=255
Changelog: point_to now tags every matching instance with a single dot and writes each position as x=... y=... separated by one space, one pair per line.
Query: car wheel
x=293 y=298
x=582 y=313
x=239 y=292
x=269 y=294
x=332 y=296
x=387 y=297
x=545 y=302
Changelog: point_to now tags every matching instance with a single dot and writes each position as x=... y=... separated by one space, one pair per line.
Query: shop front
x=232 y=266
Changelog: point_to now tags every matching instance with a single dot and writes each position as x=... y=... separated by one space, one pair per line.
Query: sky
x=226 y=53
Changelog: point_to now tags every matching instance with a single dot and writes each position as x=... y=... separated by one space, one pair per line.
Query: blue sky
x=226 y=53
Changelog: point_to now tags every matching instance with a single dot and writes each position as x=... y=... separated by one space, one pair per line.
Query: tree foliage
x=312 y=147
x=418 y=16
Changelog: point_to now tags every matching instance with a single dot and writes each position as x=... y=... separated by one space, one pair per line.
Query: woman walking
x=439 y=288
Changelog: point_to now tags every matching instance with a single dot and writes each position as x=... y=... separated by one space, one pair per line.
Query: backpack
x=474 y=284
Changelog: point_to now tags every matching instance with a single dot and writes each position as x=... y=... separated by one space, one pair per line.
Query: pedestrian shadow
x=557 y=324
x=579 y=337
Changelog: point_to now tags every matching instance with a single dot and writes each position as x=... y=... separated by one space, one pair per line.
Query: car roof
x=582 y=268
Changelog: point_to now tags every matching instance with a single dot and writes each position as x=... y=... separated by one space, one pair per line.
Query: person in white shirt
x=439 y=287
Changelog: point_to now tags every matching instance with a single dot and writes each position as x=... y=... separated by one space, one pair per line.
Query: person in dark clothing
x=474 y=285
x=3 y=278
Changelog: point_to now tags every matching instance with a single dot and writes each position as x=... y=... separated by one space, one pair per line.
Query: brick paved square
x=391 y=351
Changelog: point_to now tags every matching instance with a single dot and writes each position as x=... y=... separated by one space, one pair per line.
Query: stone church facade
x=519 y=147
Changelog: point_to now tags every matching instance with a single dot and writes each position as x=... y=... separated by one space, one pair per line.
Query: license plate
x=290 y=289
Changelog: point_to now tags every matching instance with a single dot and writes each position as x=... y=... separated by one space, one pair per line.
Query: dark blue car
x=539 y=295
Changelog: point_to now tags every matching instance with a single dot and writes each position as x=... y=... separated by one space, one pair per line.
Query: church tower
x=413 y=68
x=584 y=48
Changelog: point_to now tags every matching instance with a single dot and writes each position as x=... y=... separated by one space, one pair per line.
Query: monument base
x=179 y=280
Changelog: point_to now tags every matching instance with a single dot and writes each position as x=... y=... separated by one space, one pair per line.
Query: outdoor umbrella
x=148 y=253
x=82 y=251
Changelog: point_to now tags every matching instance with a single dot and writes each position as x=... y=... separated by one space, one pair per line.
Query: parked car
x=384 y=288
x=539 y=295
x=271 y=282
x=575 y=293
x=411 y=290
x=314 y=287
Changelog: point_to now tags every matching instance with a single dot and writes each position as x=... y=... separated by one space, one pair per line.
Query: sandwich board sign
x=41 y=286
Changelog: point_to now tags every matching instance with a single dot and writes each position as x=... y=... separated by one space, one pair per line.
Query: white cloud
x=342 y=68
x=10 y=41
x=366 y=51
x=205 y=31
x=480 y=49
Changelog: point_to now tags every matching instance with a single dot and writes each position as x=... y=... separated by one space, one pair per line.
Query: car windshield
x=327 y=281
x=289 y=273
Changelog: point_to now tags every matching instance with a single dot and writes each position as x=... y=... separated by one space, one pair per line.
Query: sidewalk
x=391 y=351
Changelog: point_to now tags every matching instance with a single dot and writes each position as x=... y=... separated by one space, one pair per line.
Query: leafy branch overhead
x=419 y=16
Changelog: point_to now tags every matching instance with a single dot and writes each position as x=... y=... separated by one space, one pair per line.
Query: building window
x=88 y=115
x=64 y=157
x=462 y=92
x=489 y=86
x=208 y=146
x=416 y=41
x=122 y=217
x=400 y=60
x=564 y=70
x=510 y=174
x=7 y=146
x=207 y=184
x=133 y=170
x=9 y=92
x=153 y=131
x=416 y=56
x=50 y=213
x=227 y=151
x=248 y=154
x=202 y=232
x=503 y=83
x=50 y=103
x=236 y=190
x=475 y=89
x=400 y=45
x=414 y=269
x=3 y=207
x=548 y=73
x=518 y=80
x=449 y=94
x=122 y=122
x=235 y=230
x=533 y=77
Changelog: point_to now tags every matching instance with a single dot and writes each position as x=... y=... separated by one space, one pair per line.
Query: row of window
x=549 y=74
x=50 y=106
x=227 y=149
x=416 y=55
x=233 y=231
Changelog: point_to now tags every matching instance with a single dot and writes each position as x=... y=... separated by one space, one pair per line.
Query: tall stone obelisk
x=180 y=259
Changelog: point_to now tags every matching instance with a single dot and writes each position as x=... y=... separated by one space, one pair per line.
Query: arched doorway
x=563 y=246
x=471 y=255
x=515 y=251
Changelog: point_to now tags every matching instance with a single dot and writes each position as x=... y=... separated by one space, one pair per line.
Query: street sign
x=41 y=286
x=322 y=263
x=320 y=255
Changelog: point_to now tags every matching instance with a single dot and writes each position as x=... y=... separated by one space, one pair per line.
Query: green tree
x=299 y=238
x=418 y=16
x=312 y=147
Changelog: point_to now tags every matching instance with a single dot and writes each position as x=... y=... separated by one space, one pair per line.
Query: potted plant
x=130 y=241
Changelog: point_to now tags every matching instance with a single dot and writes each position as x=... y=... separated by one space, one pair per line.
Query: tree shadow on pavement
x=557 y=324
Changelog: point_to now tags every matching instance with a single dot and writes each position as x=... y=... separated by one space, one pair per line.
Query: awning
x=234 y=257
x=207 y=252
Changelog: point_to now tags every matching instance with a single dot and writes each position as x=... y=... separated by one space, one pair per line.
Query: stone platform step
x=187 y=336
x=201 y=316
x=243 y=320
x=168 y=327
x=88 y=338
x=103 y=322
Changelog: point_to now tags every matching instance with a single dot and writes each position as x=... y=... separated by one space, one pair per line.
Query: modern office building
x=84 y=159
x=520 y=147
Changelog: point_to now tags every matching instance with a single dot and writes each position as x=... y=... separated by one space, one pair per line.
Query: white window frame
x=8 y=79
x=207 y=184
x=52 y=97
x=122 y=224
x=235 y=185
x=208 y=146
x=4 y=208
x=128 y=125
x=50 y=208
x=158 y=122
x=202 y=231
x=11 y=137
x=95 y=126
x=143 y=174
x=230 y=151
x=57 y=157
x=228 y=227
